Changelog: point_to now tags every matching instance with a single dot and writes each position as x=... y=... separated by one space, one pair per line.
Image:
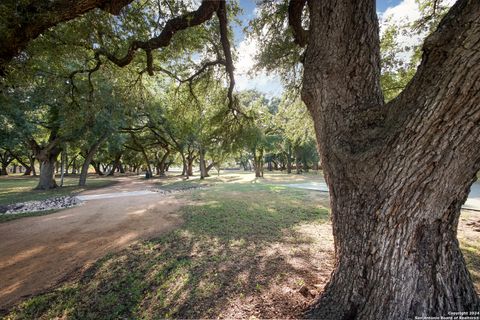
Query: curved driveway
x=37 y=253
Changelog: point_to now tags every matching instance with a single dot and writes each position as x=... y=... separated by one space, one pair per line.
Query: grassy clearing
x=248 y=249
x=20 y=188
x=244 y=250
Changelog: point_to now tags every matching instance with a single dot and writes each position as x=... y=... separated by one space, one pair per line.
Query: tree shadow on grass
x=234 y=258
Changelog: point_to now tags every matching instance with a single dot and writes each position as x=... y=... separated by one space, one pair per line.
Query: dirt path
x=37 y=253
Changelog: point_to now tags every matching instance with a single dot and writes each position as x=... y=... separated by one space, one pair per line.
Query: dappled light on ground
x=248 y=248
x=243 y=251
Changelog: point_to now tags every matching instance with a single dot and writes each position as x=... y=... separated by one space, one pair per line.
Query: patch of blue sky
x=270 y=84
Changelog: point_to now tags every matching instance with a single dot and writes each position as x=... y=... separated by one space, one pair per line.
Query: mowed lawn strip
x=16 y=189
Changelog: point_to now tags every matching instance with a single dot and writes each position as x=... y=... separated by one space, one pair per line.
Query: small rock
x=304 y=291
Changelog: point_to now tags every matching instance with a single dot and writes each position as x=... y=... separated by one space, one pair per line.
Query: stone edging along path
x=40 y=205
x=71 y=201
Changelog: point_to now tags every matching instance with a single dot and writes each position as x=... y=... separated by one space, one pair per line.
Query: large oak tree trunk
x=397 y=173
x=47 y=170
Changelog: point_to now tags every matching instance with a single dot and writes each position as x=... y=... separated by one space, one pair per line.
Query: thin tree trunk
x=72 y=164
x=162 y=165
x=203 y=167
x=210 y=166
x=97 y=166
x=115 y=165
x=88 y=159
x=190 y=160
x=258 y=164
x=121 y=168
x=62 y=169
x=298 y=163
x=185 y=165
x=28 y=168
x=66 y=165
x=32 y=166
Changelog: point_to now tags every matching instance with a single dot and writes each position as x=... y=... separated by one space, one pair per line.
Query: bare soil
x=37 y=253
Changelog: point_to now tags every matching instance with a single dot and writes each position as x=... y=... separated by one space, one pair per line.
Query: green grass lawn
x=15 y=189
x=239 y=242
x=247 y=248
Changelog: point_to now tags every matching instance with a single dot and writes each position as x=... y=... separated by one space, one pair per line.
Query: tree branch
x=37 y=16
x=172 y=26
x=295 y=10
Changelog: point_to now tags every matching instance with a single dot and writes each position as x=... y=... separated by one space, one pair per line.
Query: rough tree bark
x=46 y=155
x=47 y=158
x=398 y=173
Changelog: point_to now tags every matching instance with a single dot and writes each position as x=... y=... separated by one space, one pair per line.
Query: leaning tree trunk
x=184 y=165
x=203 y=165
x=89 y=159
x=397 y=173
x=115 y=164
x=28 y=167
x=210 y=166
